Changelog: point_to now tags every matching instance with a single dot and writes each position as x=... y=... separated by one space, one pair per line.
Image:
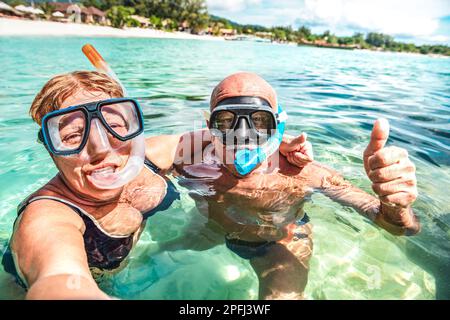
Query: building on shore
x=72 y=12
x=93 y=15
x=227 y=32
x=143 y=21
x=8 y=11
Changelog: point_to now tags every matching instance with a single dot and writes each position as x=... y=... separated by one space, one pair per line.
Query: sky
x=418 y=21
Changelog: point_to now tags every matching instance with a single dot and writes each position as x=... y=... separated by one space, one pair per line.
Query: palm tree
x=48 y=9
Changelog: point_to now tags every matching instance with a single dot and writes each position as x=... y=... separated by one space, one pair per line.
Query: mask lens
x=122 y=118
x=263 y=121
x=67 y=131
x=223 y=121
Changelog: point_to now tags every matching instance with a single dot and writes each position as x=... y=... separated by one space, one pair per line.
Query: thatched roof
x=94 y=11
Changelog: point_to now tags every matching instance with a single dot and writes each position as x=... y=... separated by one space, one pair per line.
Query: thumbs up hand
x=390 y=170
x=297 y=151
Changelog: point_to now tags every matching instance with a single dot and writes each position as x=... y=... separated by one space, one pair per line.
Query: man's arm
x=50 y=254
x=393 y=179
x=396 y=220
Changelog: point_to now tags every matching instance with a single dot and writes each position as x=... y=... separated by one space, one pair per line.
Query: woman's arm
x=187 y=148
x=167 y=150
x=50 y=254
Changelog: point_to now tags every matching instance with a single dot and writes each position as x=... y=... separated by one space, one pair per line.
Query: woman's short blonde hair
x=60 y=87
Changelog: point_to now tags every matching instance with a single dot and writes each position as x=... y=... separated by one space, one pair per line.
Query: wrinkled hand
x=297 y=151
x=390 y=170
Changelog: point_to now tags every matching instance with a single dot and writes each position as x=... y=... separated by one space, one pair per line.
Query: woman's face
x=76 y=170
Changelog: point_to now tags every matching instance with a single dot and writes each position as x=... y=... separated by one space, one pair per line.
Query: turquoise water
x=333 y=95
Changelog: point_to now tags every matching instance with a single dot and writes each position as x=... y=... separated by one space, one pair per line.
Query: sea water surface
x=333 y=95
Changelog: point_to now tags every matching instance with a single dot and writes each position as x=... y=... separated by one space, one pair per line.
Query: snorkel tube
x=100 y=64
x=246 y=160
x=135 y=161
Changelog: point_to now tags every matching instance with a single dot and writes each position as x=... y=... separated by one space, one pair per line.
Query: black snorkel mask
x=243 y=121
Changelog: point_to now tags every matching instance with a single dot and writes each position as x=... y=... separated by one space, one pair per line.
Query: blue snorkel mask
x=243 y=121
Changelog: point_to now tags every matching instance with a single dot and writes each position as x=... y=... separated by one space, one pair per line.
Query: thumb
x=379 y=136
x=298 y=141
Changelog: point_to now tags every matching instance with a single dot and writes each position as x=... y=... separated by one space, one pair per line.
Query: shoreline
x=22 y=27
x=26 y=28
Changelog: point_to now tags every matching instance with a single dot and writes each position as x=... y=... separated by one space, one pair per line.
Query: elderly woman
x=87 y=218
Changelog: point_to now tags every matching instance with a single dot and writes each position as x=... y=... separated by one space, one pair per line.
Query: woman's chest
x=126 y=216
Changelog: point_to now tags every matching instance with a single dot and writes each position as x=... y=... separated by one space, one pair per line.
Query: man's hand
x=390 y=170
x=297 y=150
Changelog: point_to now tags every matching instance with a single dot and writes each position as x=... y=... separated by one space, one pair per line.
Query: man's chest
x=259 y=191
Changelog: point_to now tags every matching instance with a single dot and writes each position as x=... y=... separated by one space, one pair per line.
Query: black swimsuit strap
x=152 y=166
x=172 y=193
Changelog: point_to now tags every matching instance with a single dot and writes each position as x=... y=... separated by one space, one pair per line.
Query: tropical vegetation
x=193 y=16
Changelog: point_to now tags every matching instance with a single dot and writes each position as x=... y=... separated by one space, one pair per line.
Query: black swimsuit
x=104 y=251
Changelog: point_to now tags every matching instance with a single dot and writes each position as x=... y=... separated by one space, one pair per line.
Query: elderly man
x=260 y=213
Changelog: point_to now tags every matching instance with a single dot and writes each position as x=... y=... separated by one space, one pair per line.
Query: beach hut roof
x=4 y=6
x=8 y=8
x=223 y=30
x=31 y=10
x=58 y=14
x=38 y=11
x=21 y=7
x=96 y=12
x=66 y=7
x=60 y=6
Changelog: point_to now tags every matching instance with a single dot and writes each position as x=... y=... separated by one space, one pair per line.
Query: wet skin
x=49 y=259
x=264 y=206
x=117 y=211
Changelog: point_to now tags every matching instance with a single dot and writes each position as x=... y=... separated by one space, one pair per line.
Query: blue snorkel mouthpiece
x=246 y=160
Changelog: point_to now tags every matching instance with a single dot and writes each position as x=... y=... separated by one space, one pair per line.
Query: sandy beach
x=20 y=27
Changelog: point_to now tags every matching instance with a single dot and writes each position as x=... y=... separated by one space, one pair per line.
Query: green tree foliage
x=172 y=13
x=279 y=34
x=304 y=33
x=120 y=17
x=104 y=4
x=48 y=8
x=379 y=40
x=358 y=38
x=346 y=41
x=14 y=3
x=193 y=14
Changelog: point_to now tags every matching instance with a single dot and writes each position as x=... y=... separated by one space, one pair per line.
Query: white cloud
x=231 y=5
x=409 y=19
x=400 y=17
x=439 y=38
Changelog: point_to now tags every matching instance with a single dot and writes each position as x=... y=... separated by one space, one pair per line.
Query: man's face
x=240 y=137
x=95 y=158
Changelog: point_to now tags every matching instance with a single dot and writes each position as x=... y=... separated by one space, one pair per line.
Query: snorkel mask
x=115 y=125
x=242 y=121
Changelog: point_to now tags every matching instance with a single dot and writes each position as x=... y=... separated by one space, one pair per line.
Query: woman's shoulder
x=54 y=187
x=47 y=203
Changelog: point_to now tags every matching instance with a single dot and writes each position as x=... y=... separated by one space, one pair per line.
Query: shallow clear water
x=333 y=95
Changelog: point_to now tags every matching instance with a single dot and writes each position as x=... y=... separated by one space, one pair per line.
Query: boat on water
x=247 y=38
